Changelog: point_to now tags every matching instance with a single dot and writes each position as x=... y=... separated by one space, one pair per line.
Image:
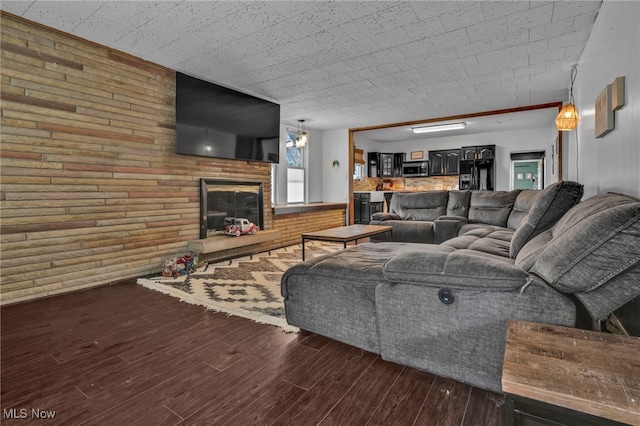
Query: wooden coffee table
x=345 y=234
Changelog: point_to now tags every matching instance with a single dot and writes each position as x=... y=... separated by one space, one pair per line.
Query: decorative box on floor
x=176 y=266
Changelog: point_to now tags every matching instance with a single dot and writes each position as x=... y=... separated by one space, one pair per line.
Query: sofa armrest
x=385 y=216
x=447 y=227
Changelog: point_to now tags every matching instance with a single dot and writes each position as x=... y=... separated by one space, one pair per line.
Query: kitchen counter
x=376 y=196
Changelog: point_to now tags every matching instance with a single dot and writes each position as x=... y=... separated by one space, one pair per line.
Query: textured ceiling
x=353 y=63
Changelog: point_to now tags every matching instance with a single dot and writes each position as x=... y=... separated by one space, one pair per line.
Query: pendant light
x=567 y=118
x=303 y=136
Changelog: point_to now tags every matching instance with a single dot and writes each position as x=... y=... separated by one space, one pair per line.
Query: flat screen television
x=215 y=121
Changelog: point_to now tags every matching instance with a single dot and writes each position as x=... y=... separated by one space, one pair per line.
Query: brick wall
x=92 y=190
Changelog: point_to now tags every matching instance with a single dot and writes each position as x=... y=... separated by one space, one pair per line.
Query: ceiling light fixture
x=303 y=136
x=439 y=127
x=568 y=118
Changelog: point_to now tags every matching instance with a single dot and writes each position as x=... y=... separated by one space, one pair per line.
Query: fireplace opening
x=222 y=200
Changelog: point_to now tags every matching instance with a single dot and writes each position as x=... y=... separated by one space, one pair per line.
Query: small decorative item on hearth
x=239 y=225
x=179 y=265
x=185 y=265
x=168 y=266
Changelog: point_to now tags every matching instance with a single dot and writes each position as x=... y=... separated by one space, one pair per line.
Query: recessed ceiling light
x=439 y=127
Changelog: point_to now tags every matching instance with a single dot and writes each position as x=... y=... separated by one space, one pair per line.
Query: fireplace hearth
x=221 y=200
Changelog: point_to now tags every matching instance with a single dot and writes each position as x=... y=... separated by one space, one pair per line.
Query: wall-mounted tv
x=215 y=121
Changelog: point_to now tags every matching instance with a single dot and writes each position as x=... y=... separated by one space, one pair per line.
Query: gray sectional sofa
x=437 y=216
x=444 y=308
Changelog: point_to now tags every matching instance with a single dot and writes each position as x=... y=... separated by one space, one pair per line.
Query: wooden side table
x=556 y=375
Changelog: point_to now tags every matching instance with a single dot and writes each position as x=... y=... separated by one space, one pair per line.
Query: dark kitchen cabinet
x=385 y=165
x=372 y=164
x=363 y=208
x=436 y=163
x=444 y=162
x=357 y=208
x=484 y=152
x=452 y=159
x=374 y=207
x=398 y=160
x=468 y=153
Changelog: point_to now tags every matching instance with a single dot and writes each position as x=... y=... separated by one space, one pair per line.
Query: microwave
x=415 y=169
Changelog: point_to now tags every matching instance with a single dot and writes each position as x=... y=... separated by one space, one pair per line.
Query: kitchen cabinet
x=484 y=152
x=364 y=207
x=444 y=162
x=451 y=165
x=374 y=207
x=399 y=159
x=436 y=163
x=357 y=208
x=372 y=164
x=385 y=165
x=468 y=153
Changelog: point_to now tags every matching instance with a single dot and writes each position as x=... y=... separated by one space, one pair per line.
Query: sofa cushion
x=491 y=207
x=447 y=227
x=521 y=208
x=455 y=269
x=497 y=242
x=334 y=294
x=487 y=239
x=409 y=231
x=458 y=204
x=592 y=243
x=546 y=208
x=420 y=205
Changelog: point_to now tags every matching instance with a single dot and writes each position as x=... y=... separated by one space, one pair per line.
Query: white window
x=295 y=185
x=295 y=169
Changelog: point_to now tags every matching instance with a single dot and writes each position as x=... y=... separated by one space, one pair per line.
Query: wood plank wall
x=92 y=190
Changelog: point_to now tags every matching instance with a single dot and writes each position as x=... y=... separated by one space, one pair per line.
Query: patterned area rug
x=247 y=286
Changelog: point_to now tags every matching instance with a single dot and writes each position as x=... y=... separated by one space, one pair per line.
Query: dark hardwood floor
x=123 y=354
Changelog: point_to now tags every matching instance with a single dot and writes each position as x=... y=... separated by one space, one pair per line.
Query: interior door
x=525 y=174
